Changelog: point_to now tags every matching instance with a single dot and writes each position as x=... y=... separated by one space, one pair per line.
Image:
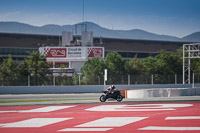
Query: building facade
x=20 y=44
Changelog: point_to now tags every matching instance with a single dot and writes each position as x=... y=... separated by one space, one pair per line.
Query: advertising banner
x=75 y=52
x=70 y=53
x=54 y=52
x=95 y=52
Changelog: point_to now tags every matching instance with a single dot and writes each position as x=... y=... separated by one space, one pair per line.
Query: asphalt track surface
x=106 y=117
x=50 y=96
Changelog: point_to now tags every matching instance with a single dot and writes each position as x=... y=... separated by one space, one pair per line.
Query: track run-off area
x=107 y=117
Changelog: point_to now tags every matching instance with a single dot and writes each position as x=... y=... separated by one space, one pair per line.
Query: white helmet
x=112 y=86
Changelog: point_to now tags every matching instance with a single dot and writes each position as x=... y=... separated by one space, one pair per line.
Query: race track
x=107 y=117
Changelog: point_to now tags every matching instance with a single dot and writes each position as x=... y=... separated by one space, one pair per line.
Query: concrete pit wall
x=163 y=92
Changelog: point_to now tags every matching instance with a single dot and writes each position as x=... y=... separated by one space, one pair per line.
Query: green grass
x=46 y=100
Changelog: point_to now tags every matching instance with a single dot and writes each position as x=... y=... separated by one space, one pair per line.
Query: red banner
x=95 y=52
x=55 y=52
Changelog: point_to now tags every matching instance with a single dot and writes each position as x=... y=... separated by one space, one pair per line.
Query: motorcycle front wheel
x=119 y=98
x=102 y=98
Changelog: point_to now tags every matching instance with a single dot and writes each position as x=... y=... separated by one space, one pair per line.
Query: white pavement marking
x=138 y=107
x=8 y=111
x=182 y=118
x=86 y=129
x=43 y=109
x=34 y=122
x=47 y=109
x=112 y=122
x=170 y=128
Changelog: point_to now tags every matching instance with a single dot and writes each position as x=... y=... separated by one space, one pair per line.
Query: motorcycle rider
x=111 y=93
x=111 y=89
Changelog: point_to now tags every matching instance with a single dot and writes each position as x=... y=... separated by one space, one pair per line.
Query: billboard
x=75 y=52
x=95 y=52
x=70 y=53
x=53 y=52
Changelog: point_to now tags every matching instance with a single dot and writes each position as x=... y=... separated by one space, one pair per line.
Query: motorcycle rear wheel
x=102 y=98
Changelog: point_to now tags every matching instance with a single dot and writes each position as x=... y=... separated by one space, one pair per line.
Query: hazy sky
x=170 y=17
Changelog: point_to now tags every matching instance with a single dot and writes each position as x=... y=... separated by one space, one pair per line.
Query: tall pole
x=54 y=80
x=79 y=79
x=193 y=80
x=175 y=78
x=105 y=78
x=28 y=80
x=83 y=10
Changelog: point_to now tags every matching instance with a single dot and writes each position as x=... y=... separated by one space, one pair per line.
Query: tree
x=134 y=66
x=115 y=65
x=149 y=64
x=92 y=69
x=195 y=65
x=75 y=79
x=36 y=66
x=169 y=63
x=9 y=70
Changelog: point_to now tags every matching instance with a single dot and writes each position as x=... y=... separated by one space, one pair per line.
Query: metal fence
x=196 y=80
x=98 y=80
x=144 y=79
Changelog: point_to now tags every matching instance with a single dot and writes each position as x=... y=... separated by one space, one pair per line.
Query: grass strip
x=45 y=100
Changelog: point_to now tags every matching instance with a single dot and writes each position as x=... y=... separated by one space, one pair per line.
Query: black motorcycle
x=114 y=95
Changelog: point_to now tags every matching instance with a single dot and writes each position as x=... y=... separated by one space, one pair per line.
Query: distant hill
x=194 y=37
x=51 y=29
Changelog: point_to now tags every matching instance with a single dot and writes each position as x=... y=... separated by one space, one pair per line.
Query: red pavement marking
x=80 y=116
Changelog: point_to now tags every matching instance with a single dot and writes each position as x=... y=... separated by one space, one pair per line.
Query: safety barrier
x=164 y=92
x=79 y=88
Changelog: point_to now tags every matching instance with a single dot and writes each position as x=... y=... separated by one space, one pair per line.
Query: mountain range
x=98 y=31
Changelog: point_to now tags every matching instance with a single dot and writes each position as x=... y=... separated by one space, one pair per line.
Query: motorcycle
x=114 y=95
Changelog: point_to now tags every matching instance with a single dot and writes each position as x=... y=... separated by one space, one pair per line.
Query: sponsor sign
x=95 y=52
x=54 y=52
x=72 y=52
x=75 y=52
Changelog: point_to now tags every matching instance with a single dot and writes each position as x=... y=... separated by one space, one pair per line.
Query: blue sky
x=169 y=17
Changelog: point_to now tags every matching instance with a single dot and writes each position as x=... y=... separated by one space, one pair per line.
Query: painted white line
x=150 y=109
x=86 y=129
x=1 y=125
x=47 y=109
x=123 y=108
x=43 y=109
x=182 y=118
x=35 y=122
x=112 y=122
x=138 y=107
x=8 y=111
x=170 y=128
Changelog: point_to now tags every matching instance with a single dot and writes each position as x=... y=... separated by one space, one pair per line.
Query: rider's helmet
x=112 y=86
